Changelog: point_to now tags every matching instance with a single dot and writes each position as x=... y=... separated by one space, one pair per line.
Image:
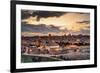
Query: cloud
x=40 y=28
x=85 y=31
x=40 y=14
x=82 y=22
x=44 y=22
x=82 y=31
x=83 y=13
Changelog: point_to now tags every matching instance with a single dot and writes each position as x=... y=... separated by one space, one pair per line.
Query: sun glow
x=66 y=21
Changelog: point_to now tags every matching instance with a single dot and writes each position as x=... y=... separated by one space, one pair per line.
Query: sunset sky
x=56 y=23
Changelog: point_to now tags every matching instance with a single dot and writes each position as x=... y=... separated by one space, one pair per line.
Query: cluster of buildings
x=52 y=44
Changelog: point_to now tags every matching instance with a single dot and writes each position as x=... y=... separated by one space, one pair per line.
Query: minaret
x=49 y=37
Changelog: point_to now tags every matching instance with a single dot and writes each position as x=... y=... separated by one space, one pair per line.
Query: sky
x=56 y=23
